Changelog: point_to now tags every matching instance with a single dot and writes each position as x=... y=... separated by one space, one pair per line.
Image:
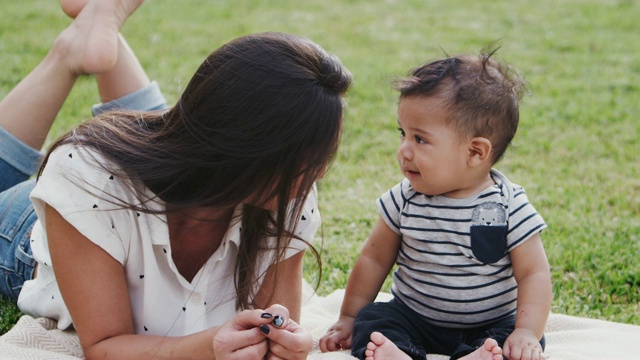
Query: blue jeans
x=18 y=163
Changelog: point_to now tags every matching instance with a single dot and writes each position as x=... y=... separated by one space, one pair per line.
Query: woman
x=173 y=233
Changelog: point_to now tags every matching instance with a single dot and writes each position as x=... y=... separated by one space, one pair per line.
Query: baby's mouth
x=411 y=172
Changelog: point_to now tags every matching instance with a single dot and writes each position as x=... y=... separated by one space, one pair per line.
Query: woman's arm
x=282 y=285
x=281 y=295
x=94 y=289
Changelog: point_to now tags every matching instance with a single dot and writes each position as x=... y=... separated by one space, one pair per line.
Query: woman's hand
x=241 y=338
x=287 y=339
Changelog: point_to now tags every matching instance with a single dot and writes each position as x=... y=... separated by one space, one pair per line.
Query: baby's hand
x=522 y=344
x=338 y=337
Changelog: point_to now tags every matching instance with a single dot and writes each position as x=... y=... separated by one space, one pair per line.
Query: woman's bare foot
x=72 y=7
x=488 y=351
x=381 y=348
x=92 y=38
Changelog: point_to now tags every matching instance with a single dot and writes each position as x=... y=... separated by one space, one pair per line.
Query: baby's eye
x=401 y=132
x=420 y=140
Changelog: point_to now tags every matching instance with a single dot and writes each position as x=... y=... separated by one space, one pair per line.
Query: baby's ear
x=479 y=151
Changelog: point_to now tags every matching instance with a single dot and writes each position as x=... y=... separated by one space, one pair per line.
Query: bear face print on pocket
x=489 y=232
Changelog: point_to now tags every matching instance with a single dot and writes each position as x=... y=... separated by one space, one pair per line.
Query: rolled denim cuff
x=19 y=155
x=146 y=99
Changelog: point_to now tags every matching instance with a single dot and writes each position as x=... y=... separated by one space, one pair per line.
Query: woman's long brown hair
x=260 y=119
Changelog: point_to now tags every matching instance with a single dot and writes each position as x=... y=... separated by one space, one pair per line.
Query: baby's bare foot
x=381 y=348
x=91 y=41
x=488 y=351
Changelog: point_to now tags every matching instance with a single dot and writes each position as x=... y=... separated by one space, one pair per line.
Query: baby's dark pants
x=409 y=332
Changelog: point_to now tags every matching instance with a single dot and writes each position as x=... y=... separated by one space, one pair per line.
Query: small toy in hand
x=278 y=321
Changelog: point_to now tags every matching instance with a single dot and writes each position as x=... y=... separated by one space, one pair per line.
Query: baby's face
x=430 y=154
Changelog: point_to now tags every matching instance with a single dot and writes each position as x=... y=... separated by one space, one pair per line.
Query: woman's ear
x=479 y=151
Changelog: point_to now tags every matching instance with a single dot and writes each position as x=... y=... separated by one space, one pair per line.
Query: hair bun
x=333 y=76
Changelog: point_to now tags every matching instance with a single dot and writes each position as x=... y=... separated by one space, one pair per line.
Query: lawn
x=576 y=151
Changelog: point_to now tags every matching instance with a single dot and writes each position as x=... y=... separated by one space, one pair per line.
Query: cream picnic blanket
x=568 y=337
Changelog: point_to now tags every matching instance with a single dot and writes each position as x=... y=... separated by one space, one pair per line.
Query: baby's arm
x=533 y=276
x=371 y=269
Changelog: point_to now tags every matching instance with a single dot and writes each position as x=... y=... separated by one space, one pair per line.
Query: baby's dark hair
x=481 y=94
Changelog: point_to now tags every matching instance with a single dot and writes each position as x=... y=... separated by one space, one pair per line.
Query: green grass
x=576 y=151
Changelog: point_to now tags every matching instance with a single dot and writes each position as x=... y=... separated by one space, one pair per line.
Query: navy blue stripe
x=461 y=313
x=434 y=218
x=525 y=236
x=423 y=251
x=437 y=273
x=518 y=209
x=456 y=254
x=456 y=301
x=441 y=242
x=441 y=207
x=404 y=198
x=491 y=193
x=384 y=208
x=436 y=230
x=521 y=222
x=433 y=206
x=427 y=271
x=462 y=288
x=519 y=193
x=498 y=271
x=393 y=198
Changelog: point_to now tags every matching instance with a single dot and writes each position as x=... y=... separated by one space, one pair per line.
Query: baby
x=472 y=278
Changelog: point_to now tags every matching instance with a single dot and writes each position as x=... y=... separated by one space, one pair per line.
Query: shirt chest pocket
x=489 y=242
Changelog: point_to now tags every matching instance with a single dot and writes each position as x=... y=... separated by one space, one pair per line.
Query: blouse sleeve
x=76 y=184
x=307 y=224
